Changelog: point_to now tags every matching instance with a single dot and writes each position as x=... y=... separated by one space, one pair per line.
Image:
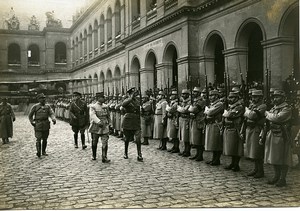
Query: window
x=60 y=53
x=14 y=54
x=33 y=55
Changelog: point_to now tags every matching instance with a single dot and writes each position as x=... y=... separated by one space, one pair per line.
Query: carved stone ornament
x=51 y=21
x=33 y=25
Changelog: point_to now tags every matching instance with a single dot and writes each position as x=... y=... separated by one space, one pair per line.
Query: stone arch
x=151 y=69
x=135 y=72
x=117 y=18
x=170 y=57
x=102 y=81
x=33 y=55
x=109 y=24
x=14 y=54
x=102 y=29
x=90 y=43
x=109 y=82
x=117 y=78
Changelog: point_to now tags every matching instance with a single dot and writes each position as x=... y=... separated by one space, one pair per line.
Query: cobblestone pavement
x=69 y=179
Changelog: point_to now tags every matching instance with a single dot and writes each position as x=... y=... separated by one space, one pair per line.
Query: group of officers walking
x=206 y=121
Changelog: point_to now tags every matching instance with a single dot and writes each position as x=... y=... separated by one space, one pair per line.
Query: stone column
x=146 y=79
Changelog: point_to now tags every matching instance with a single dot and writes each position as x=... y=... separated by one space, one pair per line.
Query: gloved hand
x=54 y=121
x=14 y=119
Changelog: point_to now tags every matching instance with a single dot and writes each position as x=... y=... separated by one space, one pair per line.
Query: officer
x=132 y=122
x=118 y=115
x=252 y=126
x=172 y=125
x=197 y=118
x=278 y=142
x=38 y=117
x=233 y=145
x=213 y=139
x=183 y=130
x=99 y=126
x=7 y=117
x=79 y=118
x=146 y=119
x=122 y=111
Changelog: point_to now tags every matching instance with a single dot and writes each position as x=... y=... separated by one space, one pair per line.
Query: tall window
x=60 y=53
x=33 y=55
x=135 y=10
x=102 y=30
x=95 y=34
x=14 y=54
x=117 y=19
x=109 y=25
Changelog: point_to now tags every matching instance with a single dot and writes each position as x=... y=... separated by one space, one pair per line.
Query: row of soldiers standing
x=219 y=125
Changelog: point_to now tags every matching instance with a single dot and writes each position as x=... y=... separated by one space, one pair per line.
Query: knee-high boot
x=104 y=155
x=187 y=149
x=44 y=146
x=176 y=146
x=277 y=171
x=200 y=153
x=94 y=150
x=160 y=144
x=126 y=144
x=260 y=168
x=164 y=144
x=170 y=150
x=236 y=163
x=145 y=142
x=139 y=151
x=254 y=171
x=282 y=181
x=231 y=165
x=38 y=148
x=213 y=158
x=76 y=140
x=82 y=136
x=216 y=160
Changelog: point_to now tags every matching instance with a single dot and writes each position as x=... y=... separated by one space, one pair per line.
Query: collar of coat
x=234 y=105
x=282 y=105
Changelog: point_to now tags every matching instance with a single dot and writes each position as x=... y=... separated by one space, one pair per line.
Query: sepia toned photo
x=160 y=104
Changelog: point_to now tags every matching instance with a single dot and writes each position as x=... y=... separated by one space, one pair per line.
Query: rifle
x=191 y=90
x=168 y=91
x=226 y=91
x=206 y=90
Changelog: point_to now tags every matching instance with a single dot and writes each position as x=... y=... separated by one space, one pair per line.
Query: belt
x=184 y=115
x=158 y=114
x=39 y=120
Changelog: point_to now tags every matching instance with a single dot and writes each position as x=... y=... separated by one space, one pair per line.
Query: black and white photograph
x=149 y=104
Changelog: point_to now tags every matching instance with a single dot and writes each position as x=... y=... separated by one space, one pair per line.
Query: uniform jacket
x=131 y=119
x=6 y=120
x=39 y=115
x=79 y=113
x=197 y=112
x=99 y=117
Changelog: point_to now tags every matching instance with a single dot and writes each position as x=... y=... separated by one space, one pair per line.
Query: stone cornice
x=235 y=51
x=278 y=41
x=37 y=33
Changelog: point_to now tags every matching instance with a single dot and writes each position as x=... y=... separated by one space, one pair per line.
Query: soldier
x=79 y=118
x=296 y=130
x=278 y=143
x=7 y=117
x=172 y=125
x=113 y=114
x=132 y=122
x=197 y=118
x=160 y=123
x=146 y=119
x=38 y=117
x=99 y=126
x=233 y=145
x=183 y=130
x=213 y=139
x=253 y=124
x=122 y=111
x=118 y=115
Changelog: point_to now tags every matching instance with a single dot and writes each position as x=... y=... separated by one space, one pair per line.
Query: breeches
x=130 y=135
x=104 y=139
x=76 y=129
x=41 y=134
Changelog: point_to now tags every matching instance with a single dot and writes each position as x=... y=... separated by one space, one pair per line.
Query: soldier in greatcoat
x=197 y=118
x=213 y=139
x=233 y=144
x=113 y=114
x=252 y=126
x=278 y=144
x=118 y=115
x=7 y=117
x=172 y=125
x=39 y=119
x=160 y=123
x=146 y=119
x=132 y=122
x=122 y=112
x=99 y=126
x=183 y=130
x=79 y=118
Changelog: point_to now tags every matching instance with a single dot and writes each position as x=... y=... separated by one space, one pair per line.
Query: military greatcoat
x=183 y=130
x=255 y=118
x=197 y=118
x=278 y=146
x=146 y=119
x=159 y=130
x=79 y=114
x=213 y=139
x=99 y=117
x=6 y=120
x=118 y=116
x=172 y=125
x=132 y=120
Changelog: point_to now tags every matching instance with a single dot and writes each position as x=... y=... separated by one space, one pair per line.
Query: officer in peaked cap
x=39 y=119
x=146 y=118
x=77 y=94
x=278 y=146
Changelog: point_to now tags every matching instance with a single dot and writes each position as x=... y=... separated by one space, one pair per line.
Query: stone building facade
x=118 y=44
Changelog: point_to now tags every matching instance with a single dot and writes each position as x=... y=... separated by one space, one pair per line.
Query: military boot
x=44 y=146
x=176 y=146
x=126 y=149
x=236 y=166
x=38 y=149
x=216 y=161
x=145 y=142
x=187 y=149
x=260 y=169
x=282 y=181
x=139 y=151
x=200 y=153
x=231 y=165
x=213 y=158
x=164 y=144
x=83 y=141
x=254 y=171
x=104 y=155
x=277 y=170
x=76 y=140
x=160 y=144
x=94 y=150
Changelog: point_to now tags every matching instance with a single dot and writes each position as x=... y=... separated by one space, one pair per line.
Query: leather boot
x=187 y=149
x=145 y=142
x=83 y=140
x=200 y=154
x=260 y=169
x=236 y=164
x=160 y=144
x=277 y=170
x=164 y=144
x=76 y=140
x=170 y=150
x=254 y=171
x=231 y=165
x=126 y=144
x=216 y=161
x=213 y=158
x=282 y=181
x=139 y=151
x=44 y=146
x=197 y=153
x=104 y=155
x=176 y=146
x=38 y=149
x=94 y=150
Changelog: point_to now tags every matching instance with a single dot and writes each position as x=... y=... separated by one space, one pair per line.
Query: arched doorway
x=117 y=79
x=150 y=66
x=135 y=78
x=109 y=90
x=170 y=59
x=102 y=79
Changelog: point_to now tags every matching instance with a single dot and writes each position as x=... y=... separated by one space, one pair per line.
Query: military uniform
x=278 y=145
x=254 y=122
x=38 y=117
x=183 y=130
x=233 y=145
x=7 y=117
x=146 y=120
x=197 y=118
x=213 y=139
x=99 y=127
x=113 y=115
x=118 y=117
x=132 y=123
x=172 y=124
x=79 y=119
